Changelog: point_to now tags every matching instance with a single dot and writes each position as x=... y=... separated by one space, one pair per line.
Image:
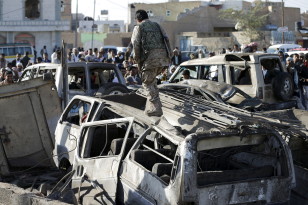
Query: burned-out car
x=225 y=93
x=245 y=71
x=123 y=157
x=82 y=78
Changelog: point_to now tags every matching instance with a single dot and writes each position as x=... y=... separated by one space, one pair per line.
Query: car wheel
x=283 y=87
x=112 y=89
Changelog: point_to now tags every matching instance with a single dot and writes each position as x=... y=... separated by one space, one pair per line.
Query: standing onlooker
x=34 y=53
x=16 y=60
x=176 y=59
x=3 y=61
x=201 y=53
x=282 y=58
x=45 y=58
x=112 y=58
x=299 y=67
x=128 y=52
x=90 y=57
x=39 y=60
x=19 y=69
x=25 y=60
x=75 y=55
x=303 y=76
x=236 y=49
x=43 y=51
x=14 y=73
x=223 y=51
x=133 y=78
x=69 y=57
x=8 y=78
x=120 y=57
x=151 y=54
x=57 y=58
x=99 y=57
x=264 y=50
x=95 y=52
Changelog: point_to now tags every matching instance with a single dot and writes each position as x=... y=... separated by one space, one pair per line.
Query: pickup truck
x=198 y=153
x=244 y=71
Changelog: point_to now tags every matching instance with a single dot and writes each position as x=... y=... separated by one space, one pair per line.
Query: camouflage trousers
x=149 y=83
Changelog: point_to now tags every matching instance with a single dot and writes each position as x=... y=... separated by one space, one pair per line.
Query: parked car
x=282 y=47
x=123 y=157
x=244 y=71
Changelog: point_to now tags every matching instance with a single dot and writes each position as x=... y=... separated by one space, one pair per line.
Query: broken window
x=271 y=68
x=240 y=76
x=77 y=112
x=105 y=140
x=156 y=154
x=77 y=79
x=32 y=9
x=100 y=76
x=229 y=159
x=193 y=73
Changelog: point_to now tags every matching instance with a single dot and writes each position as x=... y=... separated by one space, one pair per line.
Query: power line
x=13 y=11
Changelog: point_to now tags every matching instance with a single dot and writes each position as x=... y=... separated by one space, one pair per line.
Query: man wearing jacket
x=152 y=55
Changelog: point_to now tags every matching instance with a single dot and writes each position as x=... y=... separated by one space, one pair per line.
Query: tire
x=283 y=86
x=112 y=89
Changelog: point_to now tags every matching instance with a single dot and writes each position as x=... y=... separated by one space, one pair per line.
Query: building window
x=150 y=13
x=62 y=6
x=168 y=13
x=32 y=9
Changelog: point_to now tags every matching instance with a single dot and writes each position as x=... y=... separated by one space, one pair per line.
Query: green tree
x=249 y=21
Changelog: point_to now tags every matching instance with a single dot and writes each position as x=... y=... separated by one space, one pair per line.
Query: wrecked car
x=225 y=93
x=83 y=78
x=244 y=71
x=123 y=157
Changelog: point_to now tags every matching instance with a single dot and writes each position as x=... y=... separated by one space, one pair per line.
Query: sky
x=118 y=8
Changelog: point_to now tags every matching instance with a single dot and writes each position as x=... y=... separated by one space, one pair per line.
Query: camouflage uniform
x=151 y=55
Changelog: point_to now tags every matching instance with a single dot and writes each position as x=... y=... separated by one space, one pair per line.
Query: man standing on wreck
x=151 y=52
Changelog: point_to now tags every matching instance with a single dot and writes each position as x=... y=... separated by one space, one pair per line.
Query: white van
x=282 y=47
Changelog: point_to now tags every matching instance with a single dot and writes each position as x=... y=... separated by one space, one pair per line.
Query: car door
x=96 y=164
x=274 y=68
x=68 y=128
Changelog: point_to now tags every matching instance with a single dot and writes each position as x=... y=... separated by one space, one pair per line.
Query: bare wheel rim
x=115 y=92
x=287 y=86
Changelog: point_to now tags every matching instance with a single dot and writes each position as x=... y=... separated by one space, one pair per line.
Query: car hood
x=226 y=91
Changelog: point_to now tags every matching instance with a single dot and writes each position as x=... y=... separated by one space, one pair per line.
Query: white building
x=108 y=26
x=37 y=22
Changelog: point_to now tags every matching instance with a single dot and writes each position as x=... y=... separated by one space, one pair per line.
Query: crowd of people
x=297 y=64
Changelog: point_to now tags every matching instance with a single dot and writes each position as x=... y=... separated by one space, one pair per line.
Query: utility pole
x=282 y=22
x=93 y=23
x=76 y=25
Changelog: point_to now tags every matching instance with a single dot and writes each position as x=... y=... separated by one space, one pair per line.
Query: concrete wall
x=291 y=16
x=204 y=20
x=117 y=39
x=8 y=10
x=69 y=38
x=48 y=9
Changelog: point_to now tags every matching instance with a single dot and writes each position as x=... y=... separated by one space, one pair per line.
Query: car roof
x=223 y=58
x=122 y=105
x=43 y=66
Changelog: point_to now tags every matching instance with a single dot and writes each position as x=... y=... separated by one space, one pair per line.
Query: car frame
x=109 y=177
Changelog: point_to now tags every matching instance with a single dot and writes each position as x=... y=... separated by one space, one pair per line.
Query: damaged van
x=122 y=156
